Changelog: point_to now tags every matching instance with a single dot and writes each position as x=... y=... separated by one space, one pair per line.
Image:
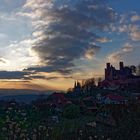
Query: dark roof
x=115 y=97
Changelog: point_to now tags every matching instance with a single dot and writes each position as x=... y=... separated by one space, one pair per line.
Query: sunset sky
x=47 y=44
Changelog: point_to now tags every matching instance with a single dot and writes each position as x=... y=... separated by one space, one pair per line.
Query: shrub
x=71 y=111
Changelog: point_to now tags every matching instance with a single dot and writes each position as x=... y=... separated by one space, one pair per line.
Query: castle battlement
x=111 y=73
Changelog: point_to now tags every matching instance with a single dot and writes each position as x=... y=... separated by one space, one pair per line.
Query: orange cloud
x=19 y=85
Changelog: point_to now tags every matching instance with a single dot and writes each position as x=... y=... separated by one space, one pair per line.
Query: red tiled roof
x=60 y=97
x=114 y=97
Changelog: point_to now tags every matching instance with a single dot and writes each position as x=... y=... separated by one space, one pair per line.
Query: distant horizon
x=10 y=93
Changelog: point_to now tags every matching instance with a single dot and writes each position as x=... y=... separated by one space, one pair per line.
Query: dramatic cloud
x=90 y=53
x=103 y=40
x=13 y=74
x=135 y=35
x=135 y=18
x=117 y=56
x=52 y=42
x=17 y=56
x=129 y=24
x=50 y=69
x=67 y=30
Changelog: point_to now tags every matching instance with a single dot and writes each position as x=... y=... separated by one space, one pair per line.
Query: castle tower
x=77 y=87
x=107 y=71
x=75 y=84
x=121 y=66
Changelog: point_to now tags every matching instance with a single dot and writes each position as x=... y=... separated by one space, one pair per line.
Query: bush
x=71 y=111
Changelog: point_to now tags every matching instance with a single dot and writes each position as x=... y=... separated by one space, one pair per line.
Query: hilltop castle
x=119 y=78
x=123 y=73
x=122 y=78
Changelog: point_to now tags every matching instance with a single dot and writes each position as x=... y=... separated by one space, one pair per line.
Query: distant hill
x=22 y=95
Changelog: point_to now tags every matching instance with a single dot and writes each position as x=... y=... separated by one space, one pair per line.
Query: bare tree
x=134 y=69
x=138 y=70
